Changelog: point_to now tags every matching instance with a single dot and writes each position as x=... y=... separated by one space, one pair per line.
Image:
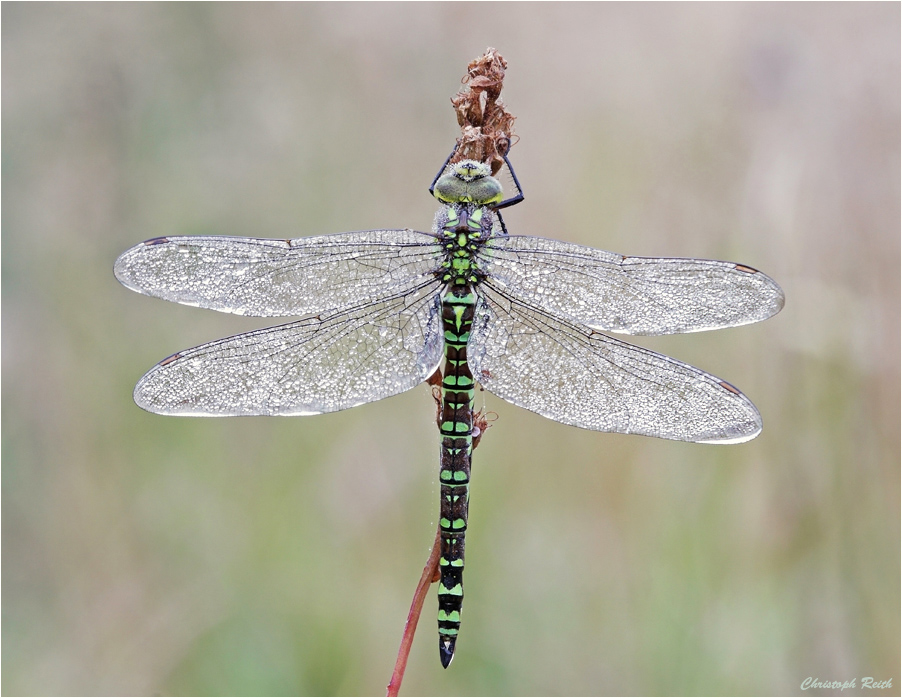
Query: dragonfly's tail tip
x=445 y=651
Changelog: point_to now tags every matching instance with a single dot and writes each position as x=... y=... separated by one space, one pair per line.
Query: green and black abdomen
x=456 y=429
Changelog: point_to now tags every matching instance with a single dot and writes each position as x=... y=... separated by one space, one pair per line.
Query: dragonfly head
x=468 y=181
x=469 y=170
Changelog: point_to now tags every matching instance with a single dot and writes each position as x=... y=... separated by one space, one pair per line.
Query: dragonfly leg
x=517 y=198
x=442 y=169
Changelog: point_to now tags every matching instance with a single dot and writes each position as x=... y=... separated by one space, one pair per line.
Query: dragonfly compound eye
x=486 y=190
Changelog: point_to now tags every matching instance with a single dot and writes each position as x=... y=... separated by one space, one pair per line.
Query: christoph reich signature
x=864 y=682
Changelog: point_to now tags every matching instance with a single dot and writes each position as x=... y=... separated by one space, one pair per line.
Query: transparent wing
x=630 y=295
x=272 y=278
x=314 y=365
x=574 y=375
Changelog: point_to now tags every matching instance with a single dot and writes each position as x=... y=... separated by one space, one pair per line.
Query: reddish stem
x=430 y=575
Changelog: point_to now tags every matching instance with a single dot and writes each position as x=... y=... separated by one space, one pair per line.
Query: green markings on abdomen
x=456 y=429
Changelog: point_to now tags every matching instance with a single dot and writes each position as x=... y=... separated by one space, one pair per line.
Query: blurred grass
x=149 y=555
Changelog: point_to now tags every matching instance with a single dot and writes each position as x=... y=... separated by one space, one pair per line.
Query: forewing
x=273 y=278
x=630 y=295
x=572 y=374
x=311 y=366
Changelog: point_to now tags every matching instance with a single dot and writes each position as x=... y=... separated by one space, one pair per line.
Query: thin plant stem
x=430 y=575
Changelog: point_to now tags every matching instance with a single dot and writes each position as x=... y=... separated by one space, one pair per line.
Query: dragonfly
x=524 y=317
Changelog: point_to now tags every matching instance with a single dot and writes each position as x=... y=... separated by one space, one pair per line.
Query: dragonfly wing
x=575 y=375
x=630 y=295
x=273 y=278
x=314 y=365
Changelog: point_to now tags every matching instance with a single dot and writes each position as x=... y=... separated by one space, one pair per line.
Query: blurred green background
x=153 y=555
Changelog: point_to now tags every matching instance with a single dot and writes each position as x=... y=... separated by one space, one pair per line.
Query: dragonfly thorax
x=463 y=229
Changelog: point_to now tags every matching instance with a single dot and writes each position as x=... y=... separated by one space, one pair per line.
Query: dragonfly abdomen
x=456 y=429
